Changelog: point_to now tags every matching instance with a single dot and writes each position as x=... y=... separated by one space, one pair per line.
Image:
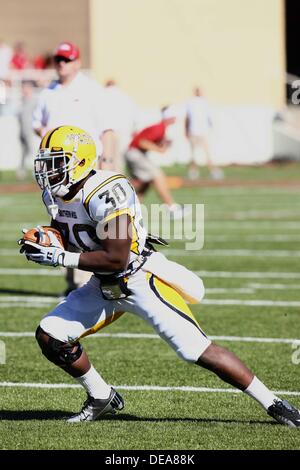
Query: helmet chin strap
x=52 y=207
x=59 y=191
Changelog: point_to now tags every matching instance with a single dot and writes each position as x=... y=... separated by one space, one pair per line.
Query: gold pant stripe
x=102 y=324
x=170 y=297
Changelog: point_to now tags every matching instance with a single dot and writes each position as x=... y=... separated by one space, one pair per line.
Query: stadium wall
x=158 y=50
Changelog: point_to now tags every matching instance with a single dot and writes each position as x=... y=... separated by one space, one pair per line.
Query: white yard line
x=211 y=238
x=30 y=272
x=252 y=238
x=293 y=224
x=251 y=339
x=234 y=253
x=12 y=334
x=249 y=274
x=256 y=286
x=221 y=290
x=202 y=253
x=213 y=274
x=242 y=339
x=262 y=215
x=10 y=301
x=28 y=299
x=222 y=302
x=252 y=303
x=281 y=238
x=9 y=305
x=154 y=388
x=252 y=288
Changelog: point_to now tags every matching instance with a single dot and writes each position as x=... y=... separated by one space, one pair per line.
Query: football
x=42 y=238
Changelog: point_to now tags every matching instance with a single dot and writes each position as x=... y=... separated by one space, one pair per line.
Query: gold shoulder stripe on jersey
x=113 y=215
x=104 y=183
x=135 y=239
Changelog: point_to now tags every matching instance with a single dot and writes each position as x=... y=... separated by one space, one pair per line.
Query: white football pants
x=85 y=311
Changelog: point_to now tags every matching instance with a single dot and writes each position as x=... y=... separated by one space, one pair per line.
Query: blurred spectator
x=143 y=171
x=125 y=115
x=39 y=62
x=198 y=126
x=42 y=61
x=28 y=103
x=10 y=99
x=5 y=59
x=20 y=60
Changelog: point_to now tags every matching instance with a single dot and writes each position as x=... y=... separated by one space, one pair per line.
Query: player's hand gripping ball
x=40 y=235
x=44 y=245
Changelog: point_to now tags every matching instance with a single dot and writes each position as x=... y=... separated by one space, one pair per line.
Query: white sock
x=94 y=384
x=260 y=393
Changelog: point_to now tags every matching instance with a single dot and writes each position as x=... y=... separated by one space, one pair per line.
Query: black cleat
x=284 y=413
x=94 y=408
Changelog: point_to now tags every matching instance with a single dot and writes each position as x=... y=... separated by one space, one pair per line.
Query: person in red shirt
x=143 y=171
x=20 y=60
x=153 y=134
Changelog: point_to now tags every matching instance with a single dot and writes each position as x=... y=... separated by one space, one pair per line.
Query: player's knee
x=195 y=350
x=213 y=357
x=187 y=354
x=60 y=353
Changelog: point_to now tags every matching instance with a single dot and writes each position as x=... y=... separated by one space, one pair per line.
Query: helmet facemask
x=49 y=169
x=53 y=170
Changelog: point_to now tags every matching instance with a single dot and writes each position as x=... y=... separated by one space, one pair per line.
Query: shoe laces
x=283 y=405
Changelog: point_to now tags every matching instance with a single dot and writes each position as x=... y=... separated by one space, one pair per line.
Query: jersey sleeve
x=111 y=198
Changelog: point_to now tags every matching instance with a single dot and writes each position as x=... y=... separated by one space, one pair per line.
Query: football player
x=100 y=218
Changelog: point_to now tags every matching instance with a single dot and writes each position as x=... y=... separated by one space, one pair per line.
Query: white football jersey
x=104 y=196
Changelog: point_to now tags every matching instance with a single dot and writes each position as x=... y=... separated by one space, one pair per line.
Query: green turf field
x=250 y=267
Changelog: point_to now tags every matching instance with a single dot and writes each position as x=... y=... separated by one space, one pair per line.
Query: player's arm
x=147 y=145
x=107 y=160
x=116 y=248
x=116 y=242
